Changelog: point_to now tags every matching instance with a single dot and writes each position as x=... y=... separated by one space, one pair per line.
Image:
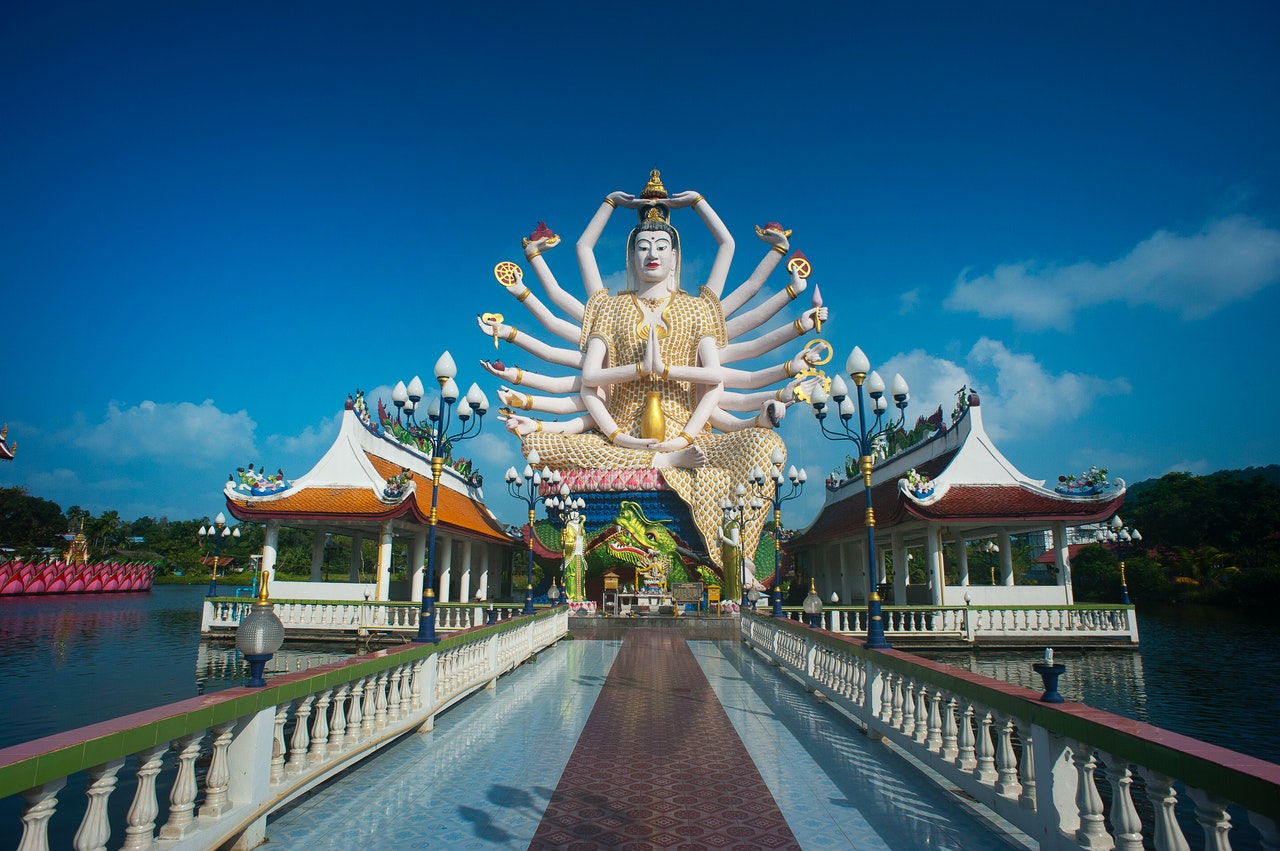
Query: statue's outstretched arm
x=773 y=339
x=762 y=313
x=520 y=425
x=564 y=330
x=586 y=247
x=724 y=240
x=544 y=404
x=769 y=415
x=561 y=299
x=531 y=344
x=596 y=374
x=535 y=380
x=731 y=401
x=741 y=379
x=778 y=248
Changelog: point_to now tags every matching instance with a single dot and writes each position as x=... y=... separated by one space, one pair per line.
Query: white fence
x=1039 y=766
x=1031 y=626
x=351 y=617
x=260 y=748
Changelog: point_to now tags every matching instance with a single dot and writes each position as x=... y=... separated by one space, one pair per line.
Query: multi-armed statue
x=649 y=399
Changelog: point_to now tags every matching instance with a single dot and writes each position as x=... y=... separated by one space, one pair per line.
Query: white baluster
x=380 y=702
x=277 y=743
x=966 y=759
x=895 y=711
x=886 y=695
x=320 y=728
x=1092 y=832
x=42 y=802
x=416 y=690
x=1269 y=830
x=935 y=722
x=1168 y=835
x=1211 y=813
x=406 y=688
x=1125 y=822
x=985 y=749
x=367 y=710
x=219 y=775
x=922 y=714
x=182 y=797
x=393 y=695
x=140 y=823
x=1007 y=785
x=950 y=730
x=355 y=714
x=95 y=828
x=1027 y=768
x=338 y=722
x=301 y=736
x=909 y=710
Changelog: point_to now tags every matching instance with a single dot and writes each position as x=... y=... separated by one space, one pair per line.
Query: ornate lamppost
x=259 y=635
x=798 y=478
x=1122 y=537
x=737 y=513
x=859 y=369
x=217 y=530
x=436 y=435
x=528 y=494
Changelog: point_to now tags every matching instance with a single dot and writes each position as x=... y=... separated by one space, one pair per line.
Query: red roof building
x=969 y=499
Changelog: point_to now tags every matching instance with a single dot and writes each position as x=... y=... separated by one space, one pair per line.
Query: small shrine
x=952 y=487
x=375 y=482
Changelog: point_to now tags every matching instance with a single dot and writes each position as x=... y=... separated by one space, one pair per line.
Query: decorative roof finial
x=654 y=188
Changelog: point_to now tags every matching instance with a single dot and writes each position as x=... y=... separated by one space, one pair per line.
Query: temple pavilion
x=371 y=485
x=953 y=488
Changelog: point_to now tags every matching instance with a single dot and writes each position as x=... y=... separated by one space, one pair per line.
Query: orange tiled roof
x=454 y=508
x=321 y=501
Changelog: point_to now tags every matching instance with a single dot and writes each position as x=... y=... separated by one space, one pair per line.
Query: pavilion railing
x=230 y=759
x=354 y=617
x=975 y=625
x=1040 y=766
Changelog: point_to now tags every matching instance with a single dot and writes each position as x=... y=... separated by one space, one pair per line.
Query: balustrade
x=1035 y=765
x=339 y=714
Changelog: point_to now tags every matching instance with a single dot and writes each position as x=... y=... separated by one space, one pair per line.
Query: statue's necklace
x=647 y=308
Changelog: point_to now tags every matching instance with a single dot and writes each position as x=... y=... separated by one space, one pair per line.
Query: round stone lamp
x=259 y=635
x=813 y=606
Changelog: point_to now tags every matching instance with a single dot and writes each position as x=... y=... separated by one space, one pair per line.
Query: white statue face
x=655 y=257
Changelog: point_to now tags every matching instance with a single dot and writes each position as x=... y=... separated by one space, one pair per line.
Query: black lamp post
x=528 y=494
x=859 y=369
x=798 y=478
x=1122 y=538
x=217 y=530
x=435 y=434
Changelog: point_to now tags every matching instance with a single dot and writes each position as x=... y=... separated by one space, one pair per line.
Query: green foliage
x=29 y=523
x=1225 y=510
x=1095 y=575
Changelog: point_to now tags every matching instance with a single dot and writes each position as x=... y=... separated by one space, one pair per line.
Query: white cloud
x=1025 y=395
x=1192 y=275
x=184 y=434
x=908 y=301
x=311 y=443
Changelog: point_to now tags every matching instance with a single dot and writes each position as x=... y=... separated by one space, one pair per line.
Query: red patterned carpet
x=659 y=765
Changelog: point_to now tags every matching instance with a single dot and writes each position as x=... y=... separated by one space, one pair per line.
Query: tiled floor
x=499 y=761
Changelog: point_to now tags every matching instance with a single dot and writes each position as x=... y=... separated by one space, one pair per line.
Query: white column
x=357 y=540
x=934 y=554
x=483 y=590
x=962 y=558
x=900 y=567
x=417 y=564
x=1006 y=558
x=1062 y=558
x=270 y=545
x=464 y=583
x=444 y=562
x=387 y=538
x=317 y=555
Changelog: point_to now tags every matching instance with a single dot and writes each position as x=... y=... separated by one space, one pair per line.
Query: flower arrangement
x=1092 y=480
x=918 y=483
x=398 y=484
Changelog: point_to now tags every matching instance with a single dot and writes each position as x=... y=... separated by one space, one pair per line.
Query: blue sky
x=218 y=219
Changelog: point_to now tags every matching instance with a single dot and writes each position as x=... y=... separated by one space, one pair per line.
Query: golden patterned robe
x=616 y=320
